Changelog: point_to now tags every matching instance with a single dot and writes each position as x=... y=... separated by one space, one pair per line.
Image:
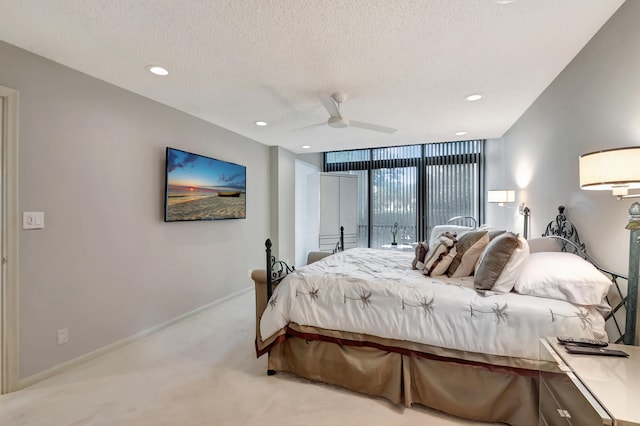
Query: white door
x=2 y=269
x=329 y=205
x=349 y=204
x=8 y=240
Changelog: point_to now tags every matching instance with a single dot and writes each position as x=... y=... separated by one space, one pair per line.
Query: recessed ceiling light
x=261 y=123
x=461 y=133
x=474 y=97
x=504 y=1
x=306 y=146
x=157 y=70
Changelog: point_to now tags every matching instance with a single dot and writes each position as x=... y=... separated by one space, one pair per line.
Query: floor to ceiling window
x=407 y=190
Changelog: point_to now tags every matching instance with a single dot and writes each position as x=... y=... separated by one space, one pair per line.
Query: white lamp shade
x=501 y=196
x=613 y=169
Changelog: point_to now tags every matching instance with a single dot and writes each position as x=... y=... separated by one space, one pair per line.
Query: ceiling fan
x=332 y=105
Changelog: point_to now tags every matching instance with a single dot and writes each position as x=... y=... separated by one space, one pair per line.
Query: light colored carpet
x=201 y=371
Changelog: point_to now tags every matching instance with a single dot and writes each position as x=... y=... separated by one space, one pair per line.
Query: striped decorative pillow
x=421 y=252
x=440 y=255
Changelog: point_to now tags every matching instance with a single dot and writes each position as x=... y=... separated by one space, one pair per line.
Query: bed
x=368 y=321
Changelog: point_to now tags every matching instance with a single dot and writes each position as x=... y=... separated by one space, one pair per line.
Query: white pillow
x=513 y=268
x=563 y=276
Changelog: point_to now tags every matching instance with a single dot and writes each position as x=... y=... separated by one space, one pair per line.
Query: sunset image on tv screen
x=203 y=188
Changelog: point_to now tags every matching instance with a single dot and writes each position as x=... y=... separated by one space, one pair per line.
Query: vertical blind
x=415 y=187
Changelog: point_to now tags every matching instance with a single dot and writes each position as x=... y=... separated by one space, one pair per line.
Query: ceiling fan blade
x=324 y=123
x=330 y=106
x=370 y=126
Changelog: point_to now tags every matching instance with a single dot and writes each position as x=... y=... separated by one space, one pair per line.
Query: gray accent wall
x=593 y=104
x=106 y=266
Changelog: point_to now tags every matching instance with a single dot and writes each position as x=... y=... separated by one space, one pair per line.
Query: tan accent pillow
x=440 y=255
x=493 y=260
x=468 y=250
x=511 y=271
x=495 y=233
x=421 y=252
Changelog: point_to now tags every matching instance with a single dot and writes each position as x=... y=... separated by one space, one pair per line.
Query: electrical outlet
x=63 y=336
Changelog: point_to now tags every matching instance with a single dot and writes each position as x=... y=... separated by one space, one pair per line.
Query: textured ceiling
x=405 y=64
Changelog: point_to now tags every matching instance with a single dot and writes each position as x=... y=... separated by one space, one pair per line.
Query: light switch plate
x=32 y=220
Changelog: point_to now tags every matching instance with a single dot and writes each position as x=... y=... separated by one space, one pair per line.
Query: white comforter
x=377 y=293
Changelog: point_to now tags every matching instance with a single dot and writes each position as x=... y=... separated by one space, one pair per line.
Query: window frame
x=421 y=163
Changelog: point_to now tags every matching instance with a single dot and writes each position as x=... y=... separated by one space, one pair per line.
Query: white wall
x=593 y=104
x=106 y=266
x=282 y=204
x=496 y=177
x=307 y=210
x=314 y=158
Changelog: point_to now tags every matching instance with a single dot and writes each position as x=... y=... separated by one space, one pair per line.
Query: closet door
x=329 y=205
x=338 y=207
x=349 y=209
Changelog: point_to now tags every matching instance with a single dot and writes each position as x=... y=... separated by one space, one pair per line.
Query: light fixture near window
x=501 y=196
x=617 y=170
x=504 y=196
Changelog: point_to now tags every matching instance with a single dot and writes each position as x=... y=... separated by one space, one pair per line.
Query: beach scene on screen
x=202 y=188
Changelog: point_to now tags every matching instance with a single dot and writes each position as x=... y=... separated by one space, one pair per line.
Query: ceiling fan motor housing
x=338 y=122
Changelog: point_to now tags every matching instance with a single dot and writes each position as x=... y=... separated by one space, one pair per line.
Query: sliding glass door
x=407 y=190
x=394 y=203
x=453 y=179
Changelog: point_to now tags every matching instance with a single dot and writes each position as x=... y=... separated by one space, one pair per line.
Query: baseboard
x=31 y=380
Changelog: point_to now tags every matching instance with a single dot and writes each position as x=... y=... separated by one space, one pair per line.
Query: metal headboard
x=567 y=236
x=276 y=269
x=464 y=218
x=563 y=228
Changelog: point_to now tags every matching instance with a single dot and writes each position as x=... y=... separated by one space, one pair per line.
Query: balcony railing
x=381 y=235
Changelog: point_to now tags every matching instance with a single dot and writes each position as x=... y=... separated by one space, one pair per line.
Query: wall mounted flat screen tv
x=203 y=188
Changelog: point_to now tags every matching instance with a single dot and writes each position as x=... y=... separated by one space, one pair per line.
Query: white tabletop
x=613 y=381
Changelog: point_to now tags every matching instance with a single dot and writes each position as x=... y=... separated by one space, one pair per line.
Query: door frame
x=9 y=228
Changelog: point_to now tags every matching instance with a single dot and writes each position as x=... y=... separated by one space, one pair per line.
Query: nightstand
x=588 y=389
